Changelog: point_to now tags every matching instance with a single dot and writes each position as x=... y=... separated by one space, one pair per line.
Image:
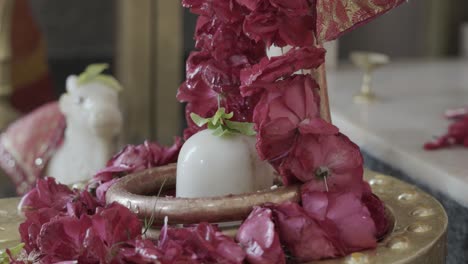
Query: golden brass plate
x=419 y=233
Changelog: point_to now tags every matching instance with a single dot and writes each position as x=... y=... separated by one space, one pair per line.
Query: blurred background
x=79 y=33
x=146 y=43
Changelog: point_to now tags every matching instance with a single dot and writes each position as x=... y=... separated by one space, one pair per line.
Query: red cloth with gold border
x=335 y=17
x=28 y=144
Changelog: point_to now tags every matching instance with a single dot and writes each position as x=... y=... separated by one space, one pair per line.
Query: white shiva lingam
x=221 y=161
x=94 y=122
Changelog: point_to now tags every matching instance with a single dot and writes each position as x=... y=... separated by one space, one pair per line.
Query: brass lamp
x=7 y=113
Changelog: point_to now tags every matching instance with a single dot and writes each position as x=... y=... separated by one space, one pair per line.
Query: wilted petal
x=281 y=111
x=280 y=27
x=47 y=194
x=62 y=238
x=326 y=162
x=306 y=238
x=204 y=242
x=29 y=230
x=258 y=237
x=140 y=251
x=270 y=70
x=377 y=211
x=226 y=10
x=357 y=229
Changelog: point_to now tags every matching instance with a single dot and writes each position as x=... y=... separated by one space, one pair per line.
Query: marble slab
x=412 y=99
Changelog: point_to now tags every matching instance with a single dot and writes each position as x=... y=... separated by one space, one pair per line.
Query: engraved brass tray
x=418 y=235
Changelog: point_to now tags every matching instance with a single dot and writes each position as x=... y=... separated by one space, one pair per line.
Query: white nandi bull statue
x=70 y=139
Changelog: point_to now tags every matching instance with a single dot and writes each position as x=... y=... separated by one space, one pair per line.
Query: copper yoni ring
x=138 y=192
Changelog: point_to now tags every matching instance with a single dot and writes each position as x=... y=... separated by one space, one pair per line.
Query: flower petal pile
x=133 y=159
x=457 y=133
x=75 y=228
x=279 y=22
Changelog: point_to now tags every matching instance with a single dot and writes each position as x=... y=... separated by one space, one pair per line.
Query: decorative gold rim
x=134 y=191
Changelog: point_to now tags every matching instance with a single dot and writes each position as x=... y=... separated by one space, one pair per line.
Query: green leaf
x=15 y=251
x=91 y=72
x=241 y=127
x=213 y=127
x=221 y=125
x=218 y=115
x=198 y=120
x=220 y=131
x=228 y=116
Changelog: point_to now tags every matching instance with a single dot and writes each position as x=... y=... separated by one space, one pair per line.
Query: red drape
x=30 y=75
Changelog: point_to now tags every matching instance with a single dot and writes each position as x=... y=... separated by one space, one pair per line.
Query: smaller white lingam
x=94 y=122
x=221 y=160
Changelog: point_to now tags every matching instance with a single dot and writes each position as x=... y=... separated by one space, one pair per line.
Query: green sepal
x=241 y=127
x=220 y=131
x=15 y=251
x=198 y=120
x=91 y=72
x=222 y=126
x=218 y=116
x=94 y=73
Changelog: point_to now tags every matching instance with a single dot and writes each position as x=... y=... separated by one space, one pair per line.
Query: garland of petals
x=338 y=213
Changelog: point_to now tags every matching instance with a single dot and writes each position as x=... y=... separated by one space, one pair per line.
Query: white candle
x=210 y=166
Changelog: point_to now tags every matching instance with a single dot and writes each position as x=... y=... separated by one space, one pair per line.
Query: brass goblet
x=368 y=62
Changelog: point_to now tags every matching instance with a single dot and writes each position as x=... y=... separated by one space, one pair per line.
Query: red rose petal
x=270 y=70
x=29 y=230
x=335 y=153
x=306 y=238
x=280 y=113
x=62 y=238
x=377 y=211
x=258 y=237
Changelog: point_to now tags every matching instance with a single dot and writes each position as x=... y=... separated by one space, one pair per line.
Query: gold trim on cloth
x=334 y=17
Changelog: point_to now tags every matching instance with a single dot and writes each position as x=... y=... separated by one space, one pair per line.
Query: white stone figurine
x=94 y=122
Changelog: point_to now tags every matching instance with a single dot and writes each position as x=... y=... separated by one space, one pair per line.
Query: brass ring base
x=137 y=192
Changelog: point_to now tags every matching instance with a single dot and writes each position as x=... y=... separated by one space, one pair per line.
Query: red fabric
x=335 y=17
x=29 y=97
x=29 y=143
x=32 y=85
